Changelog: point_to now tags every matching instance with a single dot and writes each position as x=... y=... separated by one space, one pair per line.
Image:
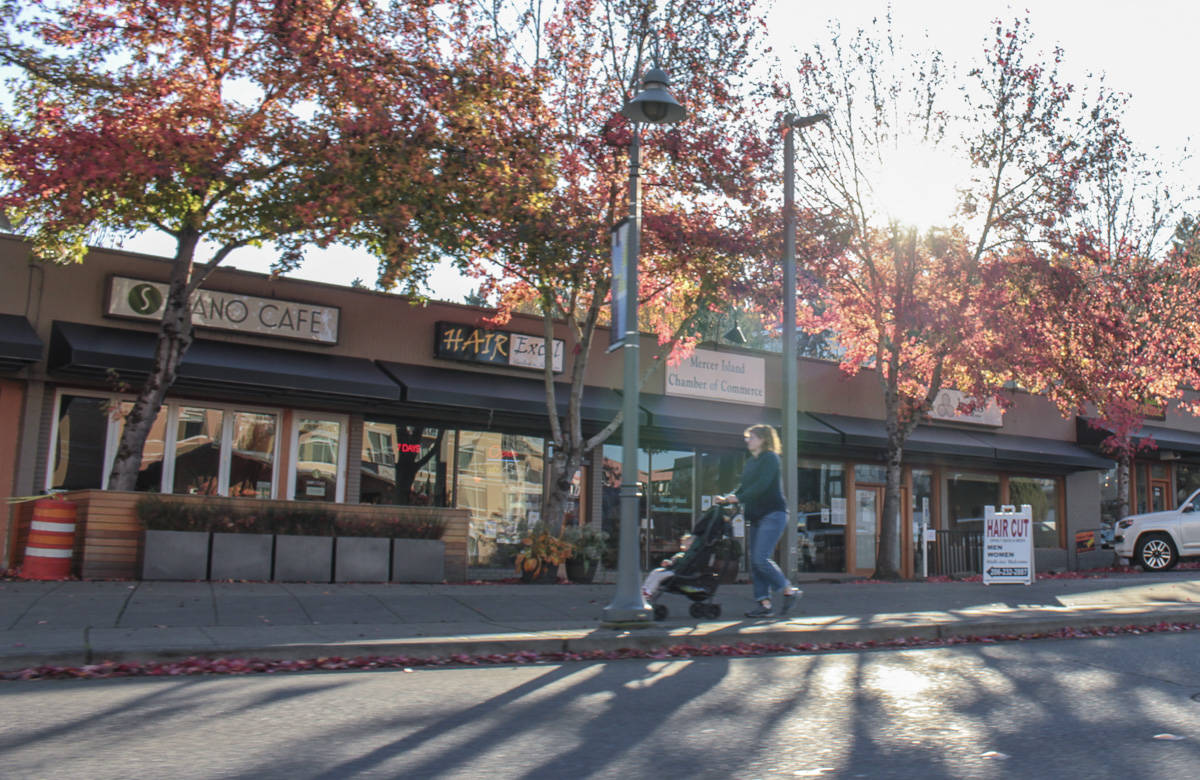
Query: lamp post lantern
x=790 y=401
x=652 y=105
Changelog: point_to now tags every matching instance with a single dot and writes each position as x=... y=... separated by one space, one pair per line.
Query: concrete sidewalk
x=76 y=623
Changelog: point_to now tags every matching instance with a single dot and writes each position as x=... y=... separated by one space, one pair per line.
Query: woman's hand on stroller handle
x=728 y=499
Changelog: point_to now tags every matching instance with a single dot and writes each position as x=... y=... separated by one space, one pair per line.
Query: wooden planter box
x=175 y=555
x=362 y=559
x=418 y=560
x=241 y=557
x=303 y=558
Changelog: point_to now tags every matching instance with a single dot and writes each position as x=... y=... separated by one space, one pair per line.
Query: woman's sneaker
x=789 y=600
x=759 y=612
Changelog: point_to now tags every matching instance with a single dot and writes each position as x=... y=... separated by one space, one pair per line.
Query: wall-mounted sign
x=945 y=407
x=495 y=347
x=144 y=300
x=719 y=376
x=1008 y=545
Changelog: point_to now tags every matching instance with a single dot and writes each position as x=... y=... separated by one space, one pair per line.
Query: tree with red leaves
x=909 y=304
x=228 y=125
x=707 y=220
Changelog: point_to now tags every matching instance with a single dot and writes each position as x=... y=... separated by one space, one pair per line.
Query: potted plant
x=588 y=544
x=176 y=539
x=540 y=555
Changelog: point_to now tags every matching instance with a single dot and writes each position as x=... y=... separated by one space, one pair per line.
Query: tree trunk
x=563 y=466
x=1123 y=484
x=174 y=338
x=887 y=559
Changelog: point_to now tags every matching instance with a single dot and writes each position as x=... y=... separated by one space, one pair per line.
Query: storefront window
x=198 y=450
x=1187 y=481
x=968 y=494
x=1042 y=497
x=821 y=515
x=869 y=473
x=1143 y=490
x=500 y=482
x=252 y=462
x=79 y=444
x=668 y=476
x=150 y=471
x=318 y=451
x=403 y=464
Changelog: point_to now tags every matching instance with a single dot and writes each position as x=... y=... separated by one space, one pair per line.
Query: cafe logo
x=145 y=299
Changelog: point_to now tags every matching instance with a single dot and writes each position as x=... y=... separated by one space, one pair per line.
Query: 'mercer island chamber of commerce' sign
x=495 y=347
x=144 y=300
x=719 y=376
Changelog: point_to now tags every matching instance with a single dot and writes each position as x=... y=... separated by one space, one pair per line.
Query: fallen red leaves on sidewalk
x=197 y=666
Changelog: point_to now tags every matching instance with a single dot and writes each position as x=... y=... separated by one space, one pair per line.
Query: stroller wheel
x=698 y=610
x=714 y=611
x=660 y=612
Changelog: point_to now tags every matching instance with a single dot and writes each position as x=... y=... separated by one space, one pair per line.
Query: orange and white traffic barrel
x=51 y=540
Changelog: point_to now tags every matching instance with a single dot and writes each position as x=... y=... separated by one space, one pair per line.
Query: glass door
x=868 y=505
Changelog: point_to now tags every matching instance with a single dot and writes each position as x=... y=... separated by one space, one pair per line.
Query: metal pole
x=790 y=400
x=627 y=605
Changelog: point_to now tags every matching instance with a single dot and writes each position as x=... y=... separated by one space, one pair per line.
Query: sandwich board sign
x=1008 y=545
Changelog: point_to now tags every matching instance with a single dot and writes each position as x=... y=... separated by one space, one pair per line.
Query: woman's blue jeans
x=764 y=572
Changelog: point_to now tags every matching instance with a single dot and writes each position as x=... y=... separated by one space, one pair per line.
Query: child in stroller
x=711 y=556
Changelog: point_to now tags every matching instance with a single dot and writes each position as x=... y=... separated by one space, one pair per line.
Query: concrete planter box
x=362 y=559
x=303 y=558
x=241 y=557
x=418 y=560
x=175 y=555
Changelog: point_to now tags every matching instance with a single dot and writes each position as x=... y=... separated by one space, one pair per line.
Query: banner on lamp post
x=617 y=296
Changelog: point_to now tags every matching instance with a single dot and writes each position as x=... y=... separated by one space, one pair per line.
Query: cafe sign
x=140 y=299
x=495 y=347
x=719 y=376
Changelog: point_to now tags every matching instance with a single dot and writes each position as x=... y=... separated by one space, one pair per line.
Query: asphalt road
x=1071 y=708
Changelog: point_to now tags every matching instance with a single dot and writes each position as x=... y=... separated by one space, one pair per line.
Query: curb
x=585 y=641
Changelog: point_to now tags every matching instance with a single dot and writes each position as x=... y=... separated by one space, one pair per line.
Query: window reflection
x=402 y=464
x=821 y=516
x=79 y=449
x=500 y=482
x=198 y=450
x=252 y=462
x=1042 y=497
x=317 y=445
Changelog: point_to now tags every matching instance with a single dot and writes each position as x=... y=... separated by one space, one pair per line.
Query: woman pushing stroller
x=761 y=497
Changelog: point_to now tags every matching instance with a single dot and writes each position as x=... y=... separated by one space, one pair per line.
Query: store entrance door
x=868 y=514
x=868 y=524
x=1159 y=490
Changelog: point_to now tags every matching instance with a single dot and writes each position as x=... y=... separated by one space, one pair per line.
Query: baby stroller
x=711 y=558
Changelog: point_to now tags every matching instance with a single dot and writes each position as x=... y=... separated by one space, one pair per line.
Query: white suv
x=1156 y=541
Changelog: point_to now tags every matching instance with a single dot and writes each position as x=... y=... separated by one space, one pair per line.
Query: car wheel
x=1155 y=552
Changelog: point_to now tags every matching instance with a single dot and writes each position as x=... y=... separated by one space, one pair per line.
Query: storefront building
x=306 y=392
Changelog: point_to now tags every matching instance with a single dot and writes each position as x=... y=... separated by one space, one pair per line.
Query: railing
x=956 y=552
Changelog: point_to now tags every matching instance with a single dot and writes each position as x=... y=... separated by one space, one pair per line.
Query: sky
x=1147 y=53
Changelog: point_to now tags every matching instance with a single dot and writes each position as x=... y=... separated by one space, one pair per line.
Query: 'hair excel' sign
x=143 y=300
x=495 y=347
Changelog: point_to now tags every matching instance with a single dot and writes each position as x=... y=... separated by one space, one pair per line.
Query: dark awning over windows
x=19 y=343
x=683 y=416
x=498 y=392
x=1165 y=439
x=978 y=446
x=91 y=351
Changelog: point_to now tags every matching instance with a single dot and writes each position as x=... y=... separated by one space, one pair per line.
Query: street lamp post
x=652 y=105
x=790 y=400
